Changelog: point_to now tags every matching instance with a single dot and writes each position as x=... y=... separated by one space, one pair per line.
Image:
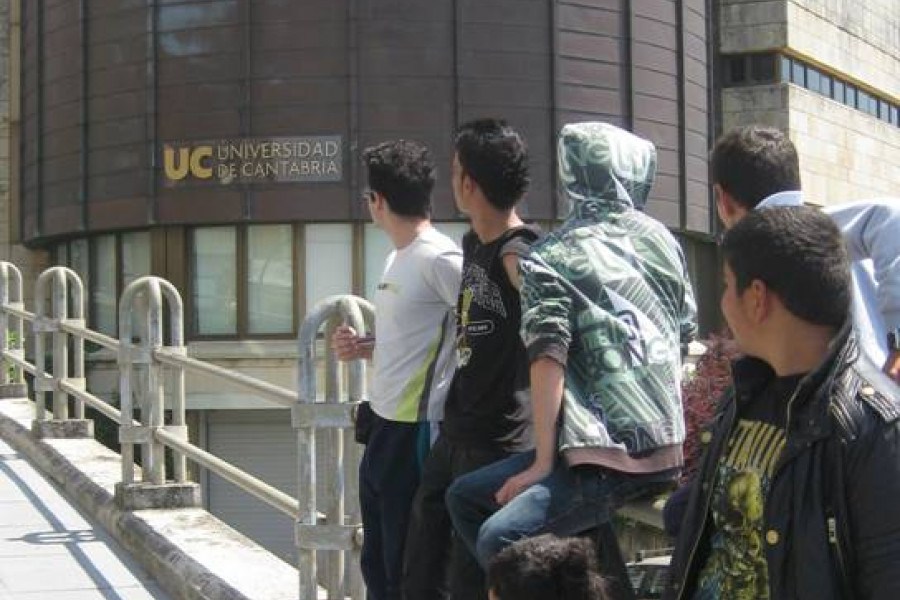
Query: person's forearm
x=547 y=382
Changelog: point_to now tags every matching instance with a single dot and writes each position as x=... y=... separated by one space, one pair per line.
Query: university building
x=217 y=144
x=827 y=72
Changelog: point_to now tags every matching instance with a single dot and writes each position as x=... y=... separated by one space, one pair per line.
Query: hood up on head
x=603 y=168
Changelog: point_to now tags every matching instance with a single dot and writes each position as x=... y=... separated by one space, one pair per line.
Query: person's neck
x=403 y=231
x=489 y=223
x=799 y=349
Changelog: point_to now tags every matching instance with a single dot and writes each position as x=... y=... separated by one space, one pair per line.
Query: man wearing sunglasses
x=412 y=354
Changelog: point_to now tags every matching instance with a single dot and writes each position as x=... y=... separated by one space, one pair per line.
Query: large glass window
x=785 y=69
x=837 y=92
x=79 y=261
x=135 y=256
x=270 y=279
x=454 y=231
x=813 y=79
x=61 y=254
x=377 y=247
x=213 y=265
x=329 y=261
x=136 y=264
x=104 y=295
x=798 y=73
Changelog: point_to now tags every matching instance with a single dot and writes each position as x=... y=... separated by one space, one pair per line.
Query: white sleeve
x=446 y=276
x=872 y=231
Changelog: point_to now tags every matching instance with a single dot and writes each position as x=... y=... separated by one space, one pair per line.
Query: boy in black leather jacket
x=796 y=495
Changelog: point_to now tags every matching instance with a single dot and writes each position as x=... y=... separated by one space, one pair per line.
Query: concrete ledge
x=190 y=553
x=142 y=496
x=13 y=390
x=72 y=428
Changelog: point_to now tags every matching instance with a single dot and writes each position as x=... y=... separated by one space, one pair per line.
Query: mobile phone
x=365 y=340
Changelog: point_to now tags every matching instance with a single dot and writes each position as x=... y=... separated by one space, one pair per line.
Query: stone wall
x=30 y=262
x=752 y=25
x=845 y=154
x=858 y=39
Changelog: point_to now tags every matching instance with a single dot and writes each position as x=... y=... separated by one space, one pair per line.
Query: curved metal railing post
x=337 y=536
x=176 y=372
x=57 y=280
x=128 y=433
x=153 y=409
x=12 y=336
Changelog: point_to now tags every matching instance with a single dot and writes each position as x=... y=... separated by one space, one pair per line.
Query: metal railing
x=328 y=525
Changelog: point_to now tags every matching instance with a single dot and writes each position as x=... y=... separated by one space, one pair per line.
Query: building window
x=135 y=256
x=243 y=281
x=760 y=68
x=813 y=79
x=850 y=95
x=376 y=248
x=749 y=69
x=214 y=270
x=798 y=73
x=785 y=76
x=735 y=70
x=825 y=83
x=270 y=279
x=329 y=261
x=454 y=230
x=837 y=91
x=104 y=292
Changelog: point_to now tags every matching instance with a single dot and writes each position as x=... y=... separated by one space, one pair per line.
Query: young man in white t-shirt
x=413 y=354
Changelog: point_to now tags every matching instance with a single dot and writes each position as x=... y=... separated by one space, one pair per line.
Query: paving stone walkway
x=50 y=551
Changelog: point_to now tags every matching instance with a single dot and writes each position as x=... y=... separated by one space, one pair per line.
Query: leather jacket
x=832 y=513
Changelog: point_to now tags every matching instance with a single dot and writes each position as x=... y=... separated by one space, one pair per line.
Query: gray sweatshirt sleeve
x=872 y=231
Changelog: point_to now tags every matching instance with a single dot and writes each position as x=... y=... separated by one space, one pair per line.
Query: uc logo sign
x=179 y=162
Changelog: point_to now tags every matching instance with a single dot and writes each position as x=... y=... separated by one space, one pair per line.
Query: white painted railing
x=330 y=524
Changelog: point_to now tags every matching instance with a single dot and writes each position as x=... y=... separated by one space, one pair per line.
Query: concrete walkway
x=49 y=550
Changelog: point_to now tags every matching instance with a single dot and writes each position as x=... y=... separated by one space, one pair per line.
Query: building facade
x=216 y=143
x=827 y=72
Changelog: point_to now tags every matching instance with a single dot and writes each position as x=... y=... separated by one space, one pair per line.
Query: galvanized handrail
x=344 y=535
x=334 y=528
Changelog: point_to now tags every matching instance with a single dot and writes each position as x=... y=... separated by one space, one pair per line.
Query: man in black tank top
x=488 y=410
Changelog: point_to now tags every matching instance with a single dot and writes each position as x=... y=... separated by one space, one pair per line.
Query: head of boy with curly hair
x=546 y=568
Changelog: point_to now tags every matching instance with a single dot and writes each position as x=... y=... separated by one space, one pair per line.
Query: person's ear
x=758 y=300
x=730 y=212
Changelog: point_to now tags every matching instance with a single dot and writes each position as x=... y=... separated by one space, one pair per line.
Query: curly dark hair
x=547 y=568
x=403 y=172
x=496 y=157
x=753 y=162
x=799 y=253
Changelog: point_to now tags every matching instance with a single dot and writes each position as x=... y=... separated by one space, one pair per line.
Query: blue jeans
x=567 y=502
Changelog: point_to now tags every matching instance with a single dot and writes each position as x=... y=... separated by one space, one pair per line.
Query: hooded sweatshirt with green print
x=608 y=297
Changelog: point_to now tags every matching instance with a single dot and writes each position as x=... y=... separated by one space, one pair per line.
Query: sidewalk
x=48 y=550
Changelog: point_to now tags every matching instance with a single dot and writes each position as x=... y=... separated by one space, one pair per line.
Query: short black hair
x=496 y=157
x=546 y=568
x=799 y=253
x=403 y=172
x=754 y=162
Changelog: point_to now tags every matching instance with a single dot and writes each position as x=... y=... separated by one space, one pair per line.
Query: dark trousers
x=438 y=565
x=388 y=478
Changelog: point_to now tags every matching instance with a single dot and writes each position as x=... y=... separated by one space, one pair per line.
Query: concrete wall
x=752 y=25
x=766 y=104
x=858 y=39
x=845 y=154
x=31 y=263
